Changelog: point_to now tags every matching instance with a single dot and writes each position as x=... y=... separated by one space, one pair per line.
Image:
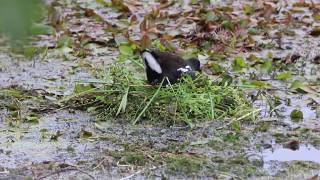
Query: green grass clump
x=186 y=164
x=126 y=96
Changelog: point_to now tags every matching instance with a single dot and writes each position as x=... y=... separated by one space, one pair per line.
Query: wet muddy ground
x=66 y=143
x=41 y=139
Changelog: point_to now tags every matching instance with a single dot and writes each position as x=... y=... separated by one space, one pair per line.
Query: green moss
x=32 y=117
x=296 y=115
x=263 y=127
x=297 y=170
x=239 y=166
x=132 y=158
x=186 y=164
x=135 y=158
x=216 y=144
x=175 y=146
x=11 y=93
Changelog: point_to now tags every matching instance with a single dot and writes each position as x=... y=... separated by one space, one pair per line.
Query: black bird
x=163 y=64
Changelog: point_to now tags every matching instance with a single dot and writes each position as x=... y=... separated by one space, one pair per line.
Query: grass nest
x=125 y=96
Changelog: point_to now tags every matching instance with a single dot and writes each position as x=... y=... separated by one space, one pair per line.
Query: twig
x=229 y=175
x=240 y=118
x=132 y=175
x=65 y=170
x=123 y=165
x=140 y=171
x=100 y=163
x=5 y=171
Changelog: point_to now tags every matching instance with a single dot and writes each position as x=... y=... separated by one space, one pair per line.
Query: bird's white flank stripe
x=152 y=62
x=185 y=69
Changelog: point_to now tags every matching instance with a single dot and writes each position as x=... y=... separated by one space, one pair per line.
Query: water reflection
x=304 y=153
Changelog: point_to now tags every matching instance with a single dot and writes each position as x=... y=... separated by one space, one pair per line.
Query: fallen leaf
x=315 y=32
x=293 y=145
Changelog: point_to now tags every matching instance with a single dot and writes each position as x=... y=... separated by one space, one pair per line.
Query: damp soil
x=69 y=143
x=41 y=140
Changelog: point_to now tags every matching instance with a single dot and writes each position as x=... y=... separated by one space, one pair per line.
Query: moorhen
x=159 y=65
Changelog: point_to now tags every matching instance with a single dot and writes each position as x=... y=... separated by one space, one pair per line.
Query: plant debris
x=190 y=101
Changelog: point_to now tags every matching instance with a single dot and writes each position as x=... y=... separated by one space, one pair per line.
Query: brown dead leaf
x=293 y=145
x=133 y=19
x=166 y=4
x=155 y=12
x=89 y=12
x=315 y=32
x=316 y=59
x=56 y=17
x=301 y=3
x=133 y=5
x=145 y=42
x=315 y=177
x=288 y=18
x=143 y=26
x=267 y=10
x=102 y=17
x=120 y=4
x=167 y=37
x=291 y=58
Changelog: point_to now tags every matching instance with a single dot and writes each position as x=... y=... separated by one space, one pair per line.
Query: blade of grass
x=123 y=103
x=93 y=90
x=148 y=104
x=212 y=106
x=138 y=63
x=240 y=118
x=78 y=94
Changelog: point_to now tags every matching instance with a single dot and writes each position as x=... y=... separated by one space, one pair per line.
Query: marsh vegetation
x=75 y=103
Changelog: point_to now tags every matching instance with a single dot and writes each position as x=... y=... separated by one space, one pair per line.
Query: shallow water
x=304 y=153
